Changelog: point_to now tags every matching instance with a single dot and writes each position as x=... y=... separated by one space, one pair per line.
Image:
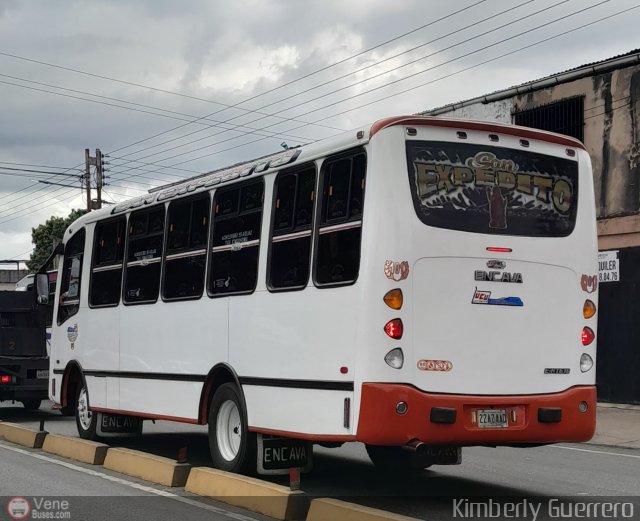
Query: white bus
x=453 y=305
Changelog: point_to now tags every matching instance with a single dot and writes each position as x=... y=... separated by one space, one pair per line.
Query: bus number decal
x=589 y=284
x=396 y=271
x=435 y=365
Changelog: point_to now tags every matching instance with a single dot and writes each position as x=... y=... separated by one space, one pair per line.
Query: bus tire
x=233 y=448
x=31 y=404
x=86 y=421
x=393 y=459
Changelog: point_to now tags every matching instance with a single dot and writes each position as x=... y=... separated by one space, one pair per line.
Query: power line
x=320 y=85
x=275 y=88
x=624 y=105
x=373 y=90
x=458 y=72
x=70 y=69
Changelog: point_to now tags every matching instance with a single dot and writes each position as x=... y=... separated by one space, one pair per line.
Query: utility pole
x=99 y=177
x=98 y=162
x=87 y=177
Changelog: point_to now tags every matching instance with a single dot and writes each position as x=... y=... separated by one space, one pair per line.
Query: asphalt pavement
x=563 y=470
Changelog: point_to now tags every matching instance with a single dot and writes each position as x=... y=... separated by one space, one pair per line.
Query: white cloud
x=230 y=51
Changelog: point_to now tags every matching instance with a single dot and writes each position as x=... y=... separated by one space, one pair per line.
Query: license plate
x=492 y=419
x=278 y=455
x=42 y=373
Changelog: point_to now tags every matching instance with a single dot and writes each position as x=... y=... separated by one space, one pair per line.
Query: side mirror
x=42 y=288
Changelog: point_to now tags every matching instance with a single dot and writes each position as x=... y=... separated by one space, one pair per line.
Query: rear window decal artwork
x=495 y=190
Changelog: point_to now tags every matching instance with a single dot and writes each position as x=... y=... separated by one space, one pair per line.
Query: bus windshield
x=493 y=190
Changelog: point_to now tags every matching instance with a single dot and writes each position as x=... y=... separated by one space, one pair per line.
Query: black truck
x=24 y=361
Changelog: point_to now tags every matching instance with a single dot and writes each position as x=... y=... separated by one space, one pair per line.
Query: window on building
x=290 y=252
x=564 y=117
x=69 y=302
x=106 y=267
x=235 y=244
x=338 y=243
x=186 y=256
x=144 y=255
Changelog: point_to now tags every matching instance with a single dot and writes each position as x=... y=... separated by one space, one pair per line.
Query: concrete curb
x=248 y=493
x=21 y=435
x=163 y=471
x=75 y=448
x=324 y=509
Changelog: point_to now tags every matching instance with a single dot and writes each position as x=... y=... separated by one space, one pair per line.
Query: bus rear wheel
x=393 y=459
x=86 y=421
x=232 y=446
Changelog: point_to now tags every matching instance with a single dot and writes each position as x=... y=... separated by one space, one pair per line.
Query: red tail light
x=499 y=250
x=5 y=379
x=588 y=336
x=394 y=328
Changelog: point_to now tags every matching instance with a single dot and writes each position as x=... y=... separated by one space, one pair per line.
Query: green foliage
x=46 y=235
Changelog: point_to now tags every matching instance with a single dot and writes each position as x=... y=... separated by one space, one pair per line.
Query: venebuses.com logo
x=18 y=508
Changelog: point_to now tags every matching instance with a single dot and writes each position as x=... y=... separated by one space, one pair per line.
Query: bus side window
x=340 y=230
x=144 y=255
x=106 y=266
x=290 y=252
x=69 y=302
x=186 y=255
x=235 y=243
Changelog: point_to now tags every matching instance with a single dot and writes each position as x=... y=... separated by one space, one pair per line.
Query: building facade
x=597 y=103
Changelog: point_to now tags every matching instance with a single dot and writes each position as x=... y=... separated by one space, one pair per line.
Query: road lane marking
x=132 y=484
x=595 y=451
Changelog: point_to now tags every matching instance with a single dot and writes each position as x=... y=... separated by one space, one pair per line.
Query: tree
x=46 y=235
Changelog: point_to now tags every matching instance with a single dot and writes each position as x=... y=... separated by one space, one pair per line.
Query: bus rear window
x=493 y=190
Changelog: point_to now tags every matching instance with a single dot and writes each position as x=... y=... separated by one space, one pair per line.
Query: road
x=346 y=473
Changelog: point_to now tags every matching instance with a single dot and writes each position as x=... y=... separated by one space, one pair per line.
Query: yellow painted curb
x=157 y=469
x=75 y=448
x=21 y=435
x=325 y=509
x=249 y=493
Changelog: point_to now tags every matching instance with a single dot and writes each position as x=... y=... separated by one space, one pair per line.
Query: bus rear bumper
x=453 y=420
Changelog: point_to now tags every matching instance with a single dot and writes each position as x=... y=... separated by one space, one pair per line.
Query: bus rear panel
x=494 y=243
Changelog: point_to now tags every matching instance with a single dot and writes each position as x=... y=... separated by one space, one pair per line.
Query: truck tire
x=233 y=448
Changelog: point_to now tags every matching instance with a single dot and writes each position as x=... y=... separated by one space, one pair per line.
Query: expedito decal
x=589 y=283
x=396 y=270
x=435 y=365
x=490 y=189
x=72 y=333
x=484 y=297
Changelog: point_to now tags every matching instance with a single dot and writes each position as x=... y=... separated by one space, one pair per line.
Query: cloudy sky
x=172 y=89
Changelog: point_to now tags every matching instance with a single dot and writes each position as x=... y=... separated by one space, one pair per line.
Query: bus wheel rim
x=228 y=430
x=84 y=414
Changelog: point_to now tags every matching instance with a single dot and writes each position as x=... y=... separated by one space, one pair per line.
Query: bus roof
x=311 y=151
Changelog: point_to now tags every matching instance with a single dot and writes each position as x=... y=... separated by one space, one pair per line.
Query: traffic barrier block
x=249 y=493
x=85 y=451
x=324 y=509
x=157 y=469
x=21 y=435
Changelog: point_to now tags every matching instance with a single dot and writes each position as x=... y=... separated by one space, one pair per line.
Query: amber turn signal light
x=393 y=298
x=589 y=309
